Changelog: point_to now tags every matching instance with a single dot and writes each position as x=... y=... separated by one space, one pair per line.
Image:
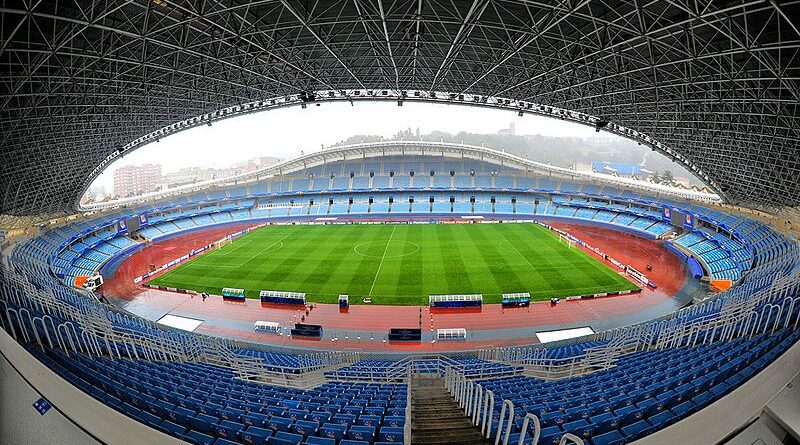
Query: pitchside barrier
x=603 y=294
x=306 y=330
x=455 y=301
x=231 y=293
x=405 y=334
x=279 y=297
x=522 y=299
x=451 y=334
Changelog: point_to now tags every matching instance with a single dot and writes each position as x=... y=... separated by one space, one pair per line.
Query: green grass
x=399 y=264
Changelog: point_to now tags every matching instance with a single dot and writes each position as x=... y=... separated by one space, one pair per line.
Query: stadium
x=408 y=290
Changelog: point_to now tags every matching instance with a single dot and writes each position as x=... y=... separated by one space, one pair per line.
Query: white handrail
x=507 y=404
x=569 y=436
x=537 y=429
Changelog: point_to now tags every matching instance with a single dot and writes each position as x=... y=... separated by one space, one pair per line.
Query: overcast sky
x=285 y=132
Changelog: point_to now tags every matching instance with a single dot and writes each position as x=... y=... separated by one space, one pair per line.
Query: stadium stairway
x=437 y=418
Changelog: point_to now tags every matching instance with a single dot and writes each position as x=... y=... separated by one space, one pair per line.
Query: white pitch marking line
x=235 y=248
x=265 y=249
x=375 y=280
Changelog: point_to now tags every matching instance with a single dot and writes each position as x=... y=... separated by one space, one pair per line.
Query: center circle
x=380 y=249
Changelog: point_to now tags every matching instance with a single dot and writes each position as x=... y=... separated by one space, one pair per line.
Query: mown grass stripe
x=490 y=259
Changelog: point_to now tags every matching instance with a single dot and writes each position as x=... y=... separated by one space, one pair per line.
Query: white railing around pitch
x=60 y=318
x=738 y=315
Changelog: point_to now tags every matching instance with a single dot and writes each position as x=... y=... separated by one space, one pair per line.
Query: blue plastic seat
x=636 y=430
x=390 y=434
x=256 y=436
x=684 y=408
x=574 y=425
x=180 y=415
x=284 y=438
x=353 y=442
x=550 y=435
x=610 y=438
x=228 y=429
x=276 y=423
x=305 y=427
x=375 y=411
x=319 y=441
x=362 y=432
x=344 y=419
x=255 y=419
x=333 y=430
x=211 y=409
x=319 y=417
x=198 y=438
x=232 y=414
x=203 y=423
x=394 y=421
x=289 y=404
x=296 y=414
x=662 y=419
x=368 y=420
x=173 y=428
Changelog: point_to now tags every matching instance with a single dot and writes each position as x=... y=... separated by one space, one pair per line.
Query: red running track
x=235 y=320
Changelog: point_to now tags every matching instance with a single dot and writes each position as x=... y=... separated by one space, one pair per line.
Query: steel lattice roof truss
x=718 y=84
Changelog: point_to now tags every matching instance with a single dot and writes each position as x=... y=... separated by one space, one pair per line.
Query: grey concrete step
x=436 y=418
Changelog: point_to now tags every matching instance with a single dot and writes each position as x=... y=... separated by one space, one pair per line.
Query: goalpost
x=565 y=239
x=223 y=242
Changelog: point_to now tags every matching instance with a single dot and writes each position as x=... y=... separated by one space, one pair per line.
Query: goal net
x=223 y=242
x=566 y=240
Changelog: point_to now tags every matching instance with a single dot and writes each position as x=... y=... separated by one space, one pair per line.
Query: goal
x=223 y=242
x=567 y=240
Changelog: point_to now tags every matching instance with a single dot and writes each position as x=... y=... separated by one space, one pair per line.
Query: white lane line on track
x=375 y=280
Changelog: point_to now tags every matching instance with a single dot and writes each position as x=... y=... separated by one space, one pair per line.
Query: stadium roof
x=715 y=86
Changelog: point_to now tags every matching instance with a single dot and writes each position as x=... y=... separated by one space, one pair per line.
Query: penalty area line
x=264 y=249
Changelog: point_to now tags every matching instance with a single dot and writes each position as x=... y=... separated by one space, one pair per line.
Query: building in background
x=188 y=175
x=510 y=131
x=191 y=175
x=132 y=180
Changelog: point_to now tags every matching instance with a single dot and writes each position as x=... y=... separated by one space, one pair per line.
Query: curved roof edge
x=393 y=148
x=305 y=98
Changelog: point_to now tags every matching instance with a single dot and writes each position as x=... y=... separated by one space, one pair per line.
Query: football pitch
x=398 y=264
